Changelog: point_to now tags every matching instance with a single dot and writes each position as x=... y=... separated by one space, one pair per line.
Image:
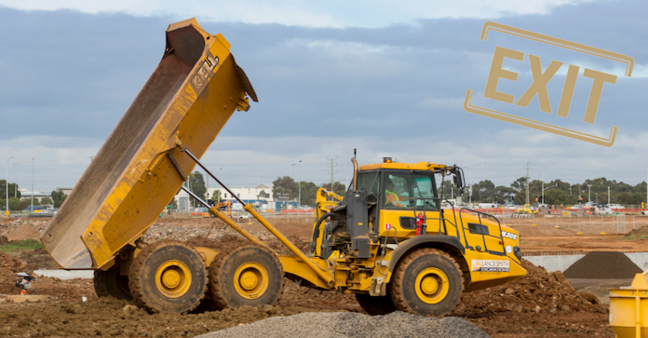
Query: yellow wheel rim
x=432 y=285
x=173 y=279
x=251 y=280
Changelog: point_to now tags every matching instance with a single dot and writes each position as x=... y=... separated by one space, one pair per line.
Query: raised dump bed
x=187 y=100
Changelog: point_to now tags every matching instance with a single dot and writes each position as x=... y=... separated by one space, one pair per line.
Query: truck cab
x=404 y=213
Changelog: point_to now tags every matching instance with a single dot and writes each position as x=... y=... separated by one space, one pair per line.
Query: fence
x=553 y=210
x=591 y=224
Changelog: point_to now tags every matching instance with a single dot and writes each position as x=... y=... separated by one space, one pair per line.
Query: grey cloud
x=72 y=74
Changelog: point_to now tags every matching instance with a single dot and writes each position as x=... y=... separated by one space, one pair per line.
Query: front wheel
x=427 y=282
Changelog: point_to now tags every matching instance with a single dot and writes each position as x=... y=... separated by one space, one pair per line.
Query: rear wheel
x=112 y=283
x=168 y=276
x=375 y=306
x=427 y=282
x=248 y=275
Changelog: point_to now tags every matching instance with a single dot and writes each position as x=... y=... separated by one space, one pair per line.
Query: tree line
x=557 y=192
x=17 y=202
x=286 y=186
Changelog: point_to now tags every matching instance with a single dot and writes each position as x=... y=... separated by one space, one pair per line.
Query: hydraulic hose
x=317 y=227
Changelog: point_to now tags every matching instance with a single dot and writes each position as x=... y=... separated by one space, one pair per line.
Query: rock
x=509 y=291
x=129 y=308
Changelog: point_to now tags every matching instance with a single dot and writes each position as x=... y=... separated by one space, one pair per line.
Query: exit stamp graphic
x=543 y=70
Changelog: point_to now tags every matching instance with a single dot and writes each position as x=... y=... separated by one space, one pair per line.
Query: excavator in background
x=222 y=206
x=387 y=240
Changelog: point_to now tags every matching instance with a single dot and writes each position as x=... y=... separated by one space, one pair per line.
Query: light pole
x=299 y=179
x=596 y=198
x=470 y=176
x=293 y=166
x=32 y=189
x=16 y=182
x=589 y=193
x=608 y=196
x=7 y=187
x=543 y=169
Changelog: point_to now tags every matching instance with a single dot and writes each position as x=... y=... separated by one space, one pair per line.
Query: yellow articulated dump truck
x=387 y=240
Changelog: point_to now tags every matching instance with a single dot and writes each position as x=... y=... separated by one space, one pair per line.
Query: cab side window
x=370 y=182
x=397 y=191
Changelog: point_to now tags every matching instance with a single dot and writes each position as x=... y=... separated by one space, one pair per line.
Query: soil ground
x=505 y=311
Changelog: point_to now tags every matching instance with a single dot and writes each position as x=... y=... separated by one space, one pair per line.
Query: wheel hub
x=249 y=280
x=429 y=285
x=171 y=279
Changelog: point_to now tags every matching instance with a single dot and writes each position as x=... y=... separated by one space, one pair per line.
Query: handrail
x=479 y=213
x=441 y=219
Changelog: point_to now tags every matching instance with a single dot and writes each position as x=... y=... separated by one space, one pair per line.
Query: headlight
x=517 y=252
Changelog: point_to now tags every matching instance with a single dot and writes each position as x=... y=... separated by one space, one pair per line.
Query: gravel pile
x=356 y=325
x=184 y=231
x=603 y=265
x=36 y=227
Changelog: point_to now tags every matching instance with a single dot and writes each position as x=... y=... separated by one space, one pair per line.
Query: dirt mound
x=4 y=240
x=8 y=267
x=217 y=243
x=603 y=264
x=281 y=249
x=25 y=231
x=8 y=225
x=638 y=233
x=184 y=229
x=108 y=317
x=539 y=291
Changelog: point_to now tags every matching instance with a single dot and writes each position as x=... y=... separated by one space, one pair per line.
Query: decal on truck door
x=481 y=265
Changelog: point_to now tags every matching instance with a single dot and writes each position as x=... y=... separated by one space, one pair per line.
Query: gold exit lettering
x=540 y=81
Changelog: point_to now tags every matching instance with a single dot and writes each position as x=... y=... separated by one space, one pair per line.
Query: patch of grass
x=20 y=246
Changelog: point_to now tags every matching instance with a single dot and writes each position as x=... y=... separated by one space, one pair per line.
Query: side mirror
x=458 y=180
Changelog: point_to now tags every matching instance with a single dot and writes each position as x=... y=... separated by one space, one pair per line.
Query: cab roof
x=403 y=166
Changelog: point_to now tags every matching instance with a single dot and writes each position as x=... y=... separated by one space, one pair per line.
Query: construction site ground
x=541 y=305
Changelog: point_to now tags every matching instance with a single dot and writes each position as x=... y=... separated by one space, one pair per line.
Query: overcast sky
x=389 y=80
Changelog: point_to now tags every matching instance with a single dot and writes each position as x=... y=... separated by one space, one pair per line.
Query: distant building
x=260 y=196
x=24 y=193
x=64 y=190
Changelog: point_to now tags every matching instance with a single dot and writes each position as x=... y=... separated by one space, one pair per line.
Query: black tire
x=376 y=306
x=426 y=263
x=229 y=268
x=173 y=258
x=111 y=282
